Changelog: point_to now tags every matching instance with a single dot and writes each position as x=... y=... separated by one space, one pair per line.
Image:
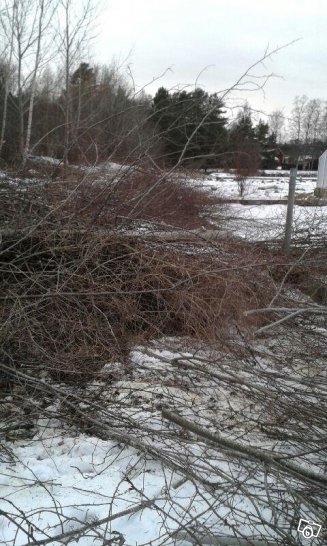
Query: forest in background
x=55 y=102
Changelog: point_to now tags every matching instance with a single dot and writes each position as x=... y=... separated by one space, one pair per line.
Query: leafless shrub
x=144 y=195
x=246 y=163
x=94 y=199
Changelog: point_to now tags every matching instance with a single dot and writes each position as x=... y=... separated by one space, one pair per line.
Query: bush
x=143 y=195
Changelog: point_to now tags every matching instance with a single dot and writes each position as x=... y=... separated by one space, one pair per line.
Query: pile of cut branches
x=73 y=300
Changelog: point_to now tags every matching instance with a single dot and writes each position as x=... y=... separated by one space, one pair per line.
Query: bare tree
x=297 y=118
x=44 y=15
x=74 y=22
x=311 y=120
x=276 y=124
x=26 y=25
x=7 y=69
x=322 y=127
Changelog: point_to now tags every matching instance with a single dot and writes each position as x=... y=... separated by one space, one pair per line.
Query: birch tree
x=323 y=122
x=74 y=25
x=276 y=123
x=24 y=24
x=45 y=11
x=311 y=117
x=297 y=118
x=6 y=69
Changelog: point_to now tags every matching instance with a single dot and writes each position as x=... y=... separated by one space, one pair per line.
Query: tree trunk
x=33 y=86
x=67 y=90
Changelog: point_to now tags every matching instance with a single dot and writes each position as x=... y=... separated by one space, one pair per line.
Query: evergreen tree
x=267 y=145
x=190 y=123
x=242 y=129
x=261 y=132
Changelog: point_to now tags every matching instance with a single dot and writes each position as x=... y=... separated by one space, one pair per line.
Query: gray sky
x=226 y=36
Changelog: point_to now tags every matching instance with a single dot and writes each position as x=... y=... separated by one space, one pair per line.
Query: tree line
x=97 y=115
x=53 y=102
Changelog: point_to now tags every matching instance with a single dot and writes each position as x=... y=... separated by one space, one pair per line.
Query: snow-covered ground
x=164 y=484
x=266 y=222
x=63 y=483
x=272 y=186
x=257 y=216
x=109 y=166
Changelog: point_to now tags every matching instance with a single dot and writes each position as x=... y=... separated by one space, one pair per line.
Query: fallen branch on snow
x=247 y=451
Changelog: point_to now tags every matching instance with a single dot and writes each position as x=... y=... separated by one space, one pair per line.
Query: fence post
x=290 y=207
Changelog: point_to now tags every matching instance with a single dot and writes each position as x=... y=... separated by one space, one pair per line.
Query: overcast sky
x=226 y=36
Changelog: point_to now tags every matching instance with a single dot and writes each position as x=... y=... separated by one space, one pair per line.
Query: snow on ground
x=66 y=483
x=266 y=222
x=109 y=166
x=268 y=187
x=62 y=479
x=257 y=217
x=63 y=483
x=6 y=179
x=45 y=159
x=252 y=221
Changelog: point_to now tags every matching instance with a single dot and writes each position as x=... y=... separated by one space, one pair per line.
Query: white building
x=321 y=190
x=322 y=171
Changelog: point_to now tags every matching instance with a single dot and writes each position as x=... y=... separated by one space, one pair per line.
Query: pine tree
x=267 y=144
x=190 y=123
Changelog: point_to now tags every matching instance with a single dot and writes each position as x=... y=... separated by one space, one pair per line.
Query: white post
x=290 y=207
